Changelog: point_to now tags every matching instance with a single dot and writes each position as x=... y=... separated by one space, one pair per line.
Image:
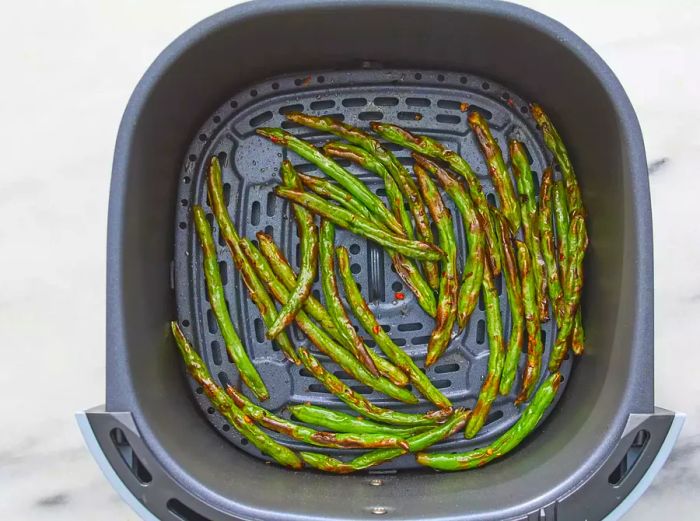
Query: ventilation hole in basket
x=481 y=301
x=343 y=162
x=629 y=460
x=226 y=427
x=297 y=255
x=359 y=288
x=399 y=341
x=211 y=410
x=446 y=368
x=449 y=104
x=362 y=389
x=342 y=375
x=354 y=249
x=211 y=322
x=409 y=116
x=543 y=334
x=129 y=456
x=216 y=119
x=255 y=213
x=441 y=77
x=270 y=207
x=485 y=85
x=298 y=82
x=183 y=225
x=480 y=330
x=260 y=118
x=275 y=86
x=244 y=441
x=322 y=104
x=199 y=390
x=321 y=79
x=485 y=113
x=202 y=137
x=253 y=92
x=418 y=76
x=192 y=157
x=186 y=180
x=392 y=268
x=420 y=340
x=183 y=512
x=224 y=379
x=222 y=157
x=386 y=328
x=434 y=229
x=316 y=293
x=305 y=168
x=305 y=373
x=370 y=116
x=269 y=229
x=259 y=330
x=530 y=159
x=337 y=116
x=216 y=352
x=286 y=124
x=524 y=109
x=411 y=326
x=318 y=388
x=463 y=80
x=392 y=146
x=223 y=268
x=417 y=102
x=448 y=118
x=386 y=101
x=381 y=192
x=396 y=286
x=505 y=96
x=442 y=384
x=498 y=282
x=494 y=416
x=369 y=342
x=406 y=161
x=298 y=335
x=491 y=199
x=227 y=193
x=291 y=108
x=354 y=102
x=536 y=182
x=355 y=268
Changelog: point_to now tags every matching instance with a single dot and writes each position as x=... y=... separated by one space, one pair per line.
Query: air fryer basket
x=603 y=441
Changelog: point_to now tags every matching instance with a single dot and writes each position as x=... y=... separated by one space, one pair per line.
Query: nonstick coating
x=427 y=102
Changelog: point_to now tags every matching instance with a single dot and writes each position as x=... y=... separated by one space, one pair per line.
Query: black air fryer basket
x=419 y=63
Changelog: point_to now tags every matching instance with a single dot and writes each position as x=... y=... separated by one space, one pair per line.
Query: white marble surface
x=68 y=68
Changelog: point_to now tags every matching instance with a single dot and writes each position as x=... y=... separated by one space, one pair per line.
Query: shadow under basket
x=603 y=441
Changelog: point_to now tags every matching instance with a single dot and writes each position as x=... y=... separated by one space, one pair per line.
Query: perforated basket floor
x=427 y=102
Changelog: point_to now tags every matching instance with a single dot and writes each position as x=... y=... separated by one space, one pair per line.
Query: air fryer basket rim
x=638 y=398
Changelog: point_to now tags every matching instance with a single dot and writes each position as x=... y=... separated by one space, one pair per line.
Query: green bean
x=256 y=290
x=394 y=195
x=528 y=210
x=222 y=403
x=431 y=148
x=217 y=300
x=401 y=176
x=330 y=190
x=345 y=219
x=515 y=301
x=416 y=443
x=308 y=238
x=369 y=322
x=547 y=240
x=532 y=323
x=335 y=171
x=281 y=268
x=360 y=404
x=473 y=230
x=338 y=421
x=497 y=169
x=510 y=439
x=497 y=353
x=332 y=297
x=312 y=436
x=578 y=241
x=318 y=337
x=449 y=280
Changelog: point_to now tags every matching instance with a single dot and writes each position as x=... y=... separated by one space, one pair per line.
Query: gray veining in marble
x=64 y=87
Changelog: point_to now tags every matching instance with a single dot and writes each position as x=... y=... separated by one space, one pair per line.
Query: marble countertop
x=64 y=88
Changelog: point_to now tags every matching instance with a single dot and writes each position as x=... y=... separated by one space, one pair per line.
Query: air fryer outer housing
x=605 y=439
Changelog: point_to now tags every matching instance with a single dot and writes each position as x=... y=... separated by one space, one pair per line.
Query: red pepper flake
x=510 y=102
x=464 y=106
x=418 y=117
x=399 y=296
x=306 y=80
x=376 y=329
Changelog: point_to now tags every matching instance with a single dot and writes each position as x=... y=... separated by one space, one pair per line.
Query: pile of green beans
x=536 y=241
